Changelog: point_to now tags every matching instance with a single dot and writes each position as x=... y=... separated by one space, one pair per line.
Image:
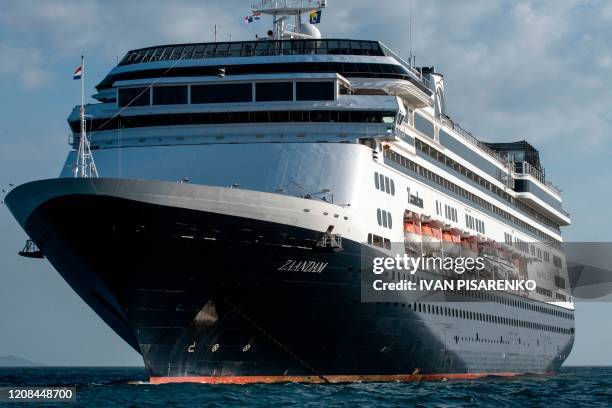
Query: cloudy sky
x=514 y=70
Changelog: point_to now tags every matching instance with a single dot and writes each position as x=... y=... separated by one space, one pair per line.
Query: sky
x=514 y=70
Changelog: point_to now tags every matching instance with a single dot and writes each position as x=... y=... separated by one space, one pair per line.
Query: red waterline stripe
x=269 y=379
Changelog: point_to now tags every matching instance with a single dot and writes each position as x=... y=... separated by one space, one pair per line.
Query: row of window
x=521 y=245
x=466 y=173
x=535 y=252
x=544 y=292
x=559 y=282
x=252 y=49
x=450 y=213
x=227 y=93
x=491 y=297
x=422 y=171
x=485 y=317
x=346 y=69
x=469 y=315
x=474 y=224
x=384 y=218
x=384 y=183
x=379 y=241
x=219 y=118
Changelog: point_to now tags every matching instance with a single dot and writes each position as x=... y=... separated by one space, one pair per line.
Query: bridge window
x=170 y=95
x=424 y=126
x=134 y=97
x=315 y=91
x=225 y=93
x=274 y=91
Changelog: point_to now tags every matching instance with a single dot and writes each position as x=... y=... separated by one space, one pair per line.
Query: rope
x=278 y=343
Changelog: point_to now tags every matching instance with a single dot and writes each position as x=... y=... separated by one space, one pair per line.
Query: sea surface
x=127 y=387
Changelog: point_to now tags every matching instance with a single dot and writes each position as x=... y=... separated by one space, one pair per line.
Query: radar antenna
x=283 y=10
x=84 y=166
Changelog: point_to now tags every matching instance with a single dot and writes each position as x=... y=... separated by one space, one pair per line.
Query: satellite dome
x=310 y=30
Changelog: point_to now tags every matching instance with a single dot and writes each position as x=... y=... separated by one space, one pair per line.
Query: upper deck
x=260 y=48
x=350 y=58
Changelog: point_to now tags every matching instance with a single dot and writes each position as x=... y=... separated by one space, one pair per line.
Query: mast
x=85 y=166
x=283 y=11
x=83 y=124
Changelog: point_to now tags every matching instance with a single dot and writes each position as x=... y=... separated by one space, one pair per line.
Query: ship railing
x=331 y=241
x=526 y=168
x=264 y=5
x=468 y=136
x=418 y=74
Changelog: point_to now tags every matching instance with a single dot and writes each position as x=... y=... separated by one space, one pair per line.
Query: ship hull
x=207 y=295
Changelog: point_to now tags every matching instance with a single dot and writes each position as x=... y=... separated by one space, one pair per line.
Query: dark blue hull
x=205 y=297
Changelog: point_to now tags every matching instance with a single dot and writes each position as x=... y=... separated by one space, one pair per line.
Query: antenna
x=84 y=166
x=215 y=29
x=410 y=33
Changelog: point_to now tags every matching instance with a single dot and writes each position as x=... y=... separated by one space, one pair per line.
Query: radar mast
x=283 y=11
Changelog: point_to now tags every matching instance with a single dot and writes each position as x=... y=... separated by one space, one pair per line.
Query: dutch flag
x=78 y=73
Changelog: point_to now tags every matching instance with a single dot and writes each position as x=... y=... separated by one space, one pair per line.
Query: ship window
x=234 y=49
x=177 y=52
x=225 y=93
x=134 y=97
x=222 y=50
x=156 y=55
x=198 y=52
x=248 y=49
x=205 y=118
x=392 y=187
x=261 y=48
x=384 y=218
x=274 y=91
x=279 y=116
x=387 y=188
x=314 y=91
x=187 y=52
x=376 y=181
x=424 y=126
x=388 y=119
x=379 y=216
x=389 y=221
x=210 y=50
x=377 y=241
x=169 y=95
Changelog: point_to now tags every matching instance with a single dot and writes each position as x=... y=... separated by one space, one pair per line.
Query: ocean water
x=127 y=387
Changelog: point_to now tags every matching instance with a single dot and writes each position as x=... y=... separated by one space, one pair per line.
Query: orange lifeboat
x=469 y=247
x=432 y=238
x=451 y=241
x=412 y=232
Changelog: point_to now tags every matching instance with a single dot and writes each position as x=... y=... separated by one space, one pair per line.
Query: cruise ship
x=219 y=199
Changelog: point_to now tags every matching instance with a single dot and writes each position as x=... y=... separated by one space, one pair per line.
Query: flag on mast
x=315 y=17
x=78 y=73
x=251 y=18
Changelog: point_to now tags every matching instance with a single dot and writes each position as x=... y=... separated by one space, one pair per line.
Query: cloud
x=26 y=64
x=605 y=61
